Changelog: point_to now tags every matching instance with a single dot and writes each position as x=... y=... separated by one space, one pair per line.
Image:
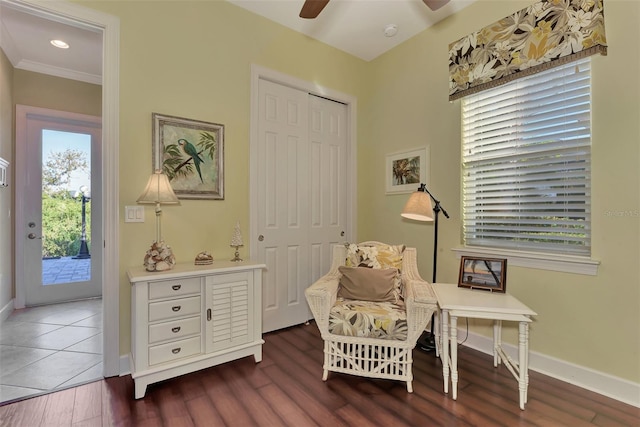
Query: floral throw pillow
x=379 y=257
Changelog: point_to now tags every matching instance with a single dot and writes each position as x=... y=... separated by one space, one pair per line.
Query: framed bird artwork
x=191 y=154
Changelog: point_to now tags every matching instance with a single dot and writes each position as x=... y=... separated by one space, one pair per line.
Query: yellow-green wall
x=56 y=93
x=192 y=59
x=591 y=321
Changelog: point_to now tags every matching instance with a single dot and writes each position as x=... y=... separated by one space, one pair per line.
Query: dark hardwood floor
x=286 y=389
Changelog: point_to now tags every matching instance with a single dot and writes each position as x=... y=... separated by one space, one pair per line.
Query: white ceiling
x=354 y=26
x=25 y=39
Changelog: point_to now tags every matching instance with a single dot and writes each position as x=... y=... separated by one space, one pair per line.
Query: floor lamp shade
x=419 y=206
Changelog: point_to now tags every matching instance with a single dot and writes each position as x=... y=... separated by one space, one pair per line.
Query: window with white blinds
x=526 y=163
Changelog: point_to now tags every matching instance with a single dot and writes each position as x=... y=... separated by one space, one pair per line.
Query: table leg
x=454 y=357
x=445 y=349
x=526 y=358
x=523 y=356
x=497 y=342
x=437 y=327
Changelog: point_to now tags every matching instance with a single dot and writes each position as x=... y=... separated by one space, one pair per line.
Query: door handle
x=261 y=238
x=33 y=236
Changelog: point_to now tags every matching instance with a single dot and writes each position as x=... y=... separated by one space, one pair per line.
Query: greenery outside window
x=526 y=163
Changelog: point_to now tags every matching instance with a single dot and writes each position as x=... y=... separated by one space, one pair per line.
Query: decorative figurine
x=159 y=257
x=236 y=242
x=203 y=258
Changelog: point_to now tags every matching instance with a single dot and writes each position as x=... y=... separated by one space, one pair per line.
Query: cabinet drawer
x=174 y=288
x=175 y=308
x=174 y=350
x=173 y=330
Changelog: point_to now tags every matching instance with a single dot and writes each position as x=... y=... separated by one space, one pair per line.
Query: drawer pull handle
x=176 y=287
x=176 y=308
x=209 y=314
x=176 y=350
x=175 y=329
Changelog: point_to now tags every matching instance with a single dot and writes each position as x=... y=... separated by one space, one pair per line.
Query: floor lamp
x=420 y=208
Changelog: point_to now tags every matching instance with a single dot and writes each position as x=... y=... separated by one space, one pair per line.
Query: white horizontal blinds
x=526 y=162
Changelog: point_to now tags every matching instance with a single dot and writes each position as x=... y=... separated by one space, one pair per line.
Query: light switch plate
x=134 y=214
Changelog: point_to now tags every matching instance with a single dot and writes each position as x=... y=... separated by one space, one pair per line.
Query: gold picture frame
x=191 y=154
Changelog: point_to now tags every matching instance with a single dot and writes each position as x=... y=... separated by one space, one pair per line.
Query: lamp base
x=159 y=257
x=426 y=342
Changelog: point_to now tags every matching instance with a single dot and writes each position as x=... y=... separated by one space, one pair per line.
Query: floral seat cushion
x=383 y=320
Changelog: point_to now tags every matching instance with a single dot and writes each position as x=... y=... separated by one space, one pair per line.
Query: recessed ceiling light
x=60 y=44
x=390 y=30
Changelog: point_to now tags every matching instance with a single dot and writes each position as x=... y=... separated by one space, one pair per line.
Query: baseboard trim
x=6 y=311
x=608 y=385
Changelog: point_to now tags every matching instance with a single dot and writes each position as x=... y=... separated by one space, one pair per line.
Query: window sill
x=553 y=262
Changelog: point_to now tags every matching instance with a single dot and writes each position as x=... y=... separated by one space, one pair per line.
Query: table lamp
x=159 y=192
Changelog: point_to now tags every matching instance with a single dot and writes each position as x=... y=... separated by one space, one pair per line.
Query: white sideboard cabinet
x=193 y=317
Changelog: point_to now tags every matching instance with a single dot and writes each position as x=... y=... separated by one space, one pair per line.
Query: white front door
x=301 y=193
x=58 y=227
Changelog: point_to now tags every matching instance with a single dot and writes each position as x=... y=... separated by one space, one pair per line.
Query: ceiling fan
x=312 y=8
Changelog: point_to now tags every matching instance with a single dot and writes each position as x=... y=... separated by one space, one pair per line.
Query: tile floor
x=50 y=347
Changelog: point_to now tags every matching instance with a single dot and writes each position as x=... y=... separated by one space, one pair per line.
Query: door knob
x=33 y=236
x=261 y=237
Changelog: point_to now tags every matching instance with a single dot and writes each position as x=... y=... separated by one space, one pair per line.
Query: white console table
x=454 y=302
x=193 y=317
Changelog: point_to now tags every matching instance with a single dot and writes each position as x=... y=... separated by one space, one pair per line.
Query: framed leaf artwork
x=406 y=170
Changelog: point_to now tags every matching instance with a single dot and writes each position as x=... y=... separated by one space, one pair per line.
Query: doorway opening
x=108 y=27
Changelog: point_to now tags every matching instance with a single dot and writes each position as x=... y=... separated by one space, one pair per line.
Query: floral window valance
x=543 y=35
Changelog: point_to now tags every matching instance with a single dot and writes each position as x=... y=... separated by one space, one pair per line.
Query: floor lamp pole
x=427 y=341
x=436 y=211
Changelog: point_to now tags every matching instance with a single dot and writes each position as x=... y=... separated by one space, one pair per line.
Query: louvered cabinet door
x=230 y=318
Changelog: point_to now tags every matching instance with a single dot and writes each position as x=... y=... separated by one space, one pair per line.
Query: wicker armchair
x=387 y=356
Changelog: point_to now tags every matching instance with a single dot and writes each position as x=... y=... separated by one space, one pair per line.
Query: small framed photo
x=483 y=273
x=191 y=154
x=406 y=170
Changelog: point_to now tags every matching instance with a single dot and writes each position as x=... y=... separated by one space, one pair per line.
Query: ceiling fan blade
x=435 y=4
x=312 y=8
